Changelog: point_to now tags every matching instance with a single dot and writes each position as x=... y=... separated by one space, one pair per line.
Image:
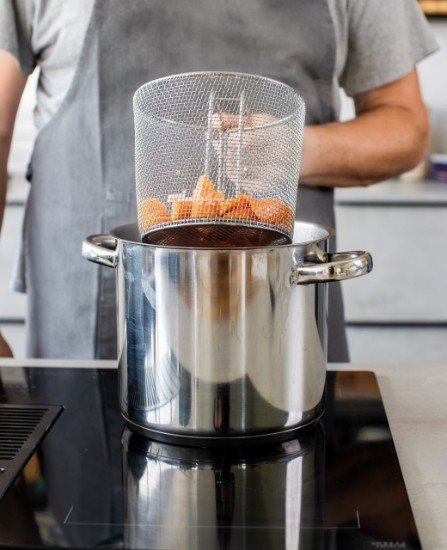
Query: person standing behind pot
x=93 y=55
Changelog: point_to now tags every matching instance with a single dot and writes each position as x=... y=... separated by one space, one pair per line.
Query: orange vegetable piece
x=205 y=208
x=151 y=212
x=240 y=201
x=241 y=212
x=205 y=199
x=272 y=211
x=181 y=209
x=205 y=189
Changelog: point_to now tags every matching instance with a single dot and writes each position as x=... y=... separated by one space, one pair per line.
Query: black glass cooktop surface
x=92 y=483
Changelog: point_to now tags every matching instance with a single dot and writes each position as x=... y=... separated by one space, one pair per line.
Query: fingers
x=228 y=121
x=248 y=150
x=225 y=121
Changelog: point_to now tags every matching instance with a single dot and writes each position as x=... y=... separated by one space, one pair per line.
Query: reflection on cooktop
x=94 y=483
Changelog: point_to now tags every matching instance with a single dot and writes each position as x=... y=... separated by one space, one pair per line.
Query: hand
x=255 y=162
x=387 y=137
x=5 y=350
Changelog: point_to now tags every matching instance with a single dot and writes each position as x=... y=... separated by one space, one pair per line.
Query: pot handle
x=340 y=266
x=101 y=249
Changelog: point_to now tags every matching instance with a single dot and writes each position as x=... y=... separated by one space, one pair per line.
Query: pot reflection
x=187 y=498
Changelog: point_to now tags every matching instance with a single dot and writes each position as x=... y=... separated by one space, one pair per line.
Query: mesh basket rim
x=327 y=231
x=235 y=130
x=299 y=111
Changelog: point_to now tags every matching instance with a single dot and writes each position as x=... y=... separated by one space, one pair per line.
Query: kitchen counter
x=402 y=303
x=414 y=399
x=416 y=406
x=396 y=192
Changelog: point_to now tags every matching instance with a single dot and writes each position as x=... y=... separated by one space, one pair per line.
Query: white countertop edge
x=59 y=363
x=381 y=369
x=394 y=192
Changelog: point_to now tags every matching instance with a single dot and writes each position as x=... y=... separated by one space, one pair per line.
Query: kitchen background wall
x=398 y=313
x=379 y=328
x=433 y=77
x=433 y=74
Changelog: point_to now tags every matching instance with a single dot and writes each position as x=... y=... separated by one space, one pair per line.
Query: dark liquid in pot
x=216 y=236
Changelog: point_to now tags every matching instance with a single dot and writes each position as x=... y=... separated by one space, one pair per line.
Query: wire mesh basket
x=217 y=159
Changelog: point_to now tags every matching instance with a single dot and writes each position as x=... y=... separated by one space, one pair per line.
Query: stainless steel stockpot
x=223 y=344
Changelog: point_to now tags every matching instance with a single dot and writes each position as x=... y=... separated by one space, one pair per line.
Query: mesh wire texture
x=216 y=153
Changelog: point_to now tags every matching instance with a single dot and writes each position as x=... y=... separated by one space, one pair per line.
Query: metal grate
x=216 y=149
x=22 y=428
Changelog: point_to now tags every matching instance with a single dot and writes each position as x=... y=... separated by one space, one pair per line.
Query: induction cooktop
x=90 y=482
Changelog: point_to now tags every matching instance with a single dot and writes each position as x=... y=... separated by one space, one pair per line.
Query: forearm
x=5 y=143
x=387 y=137
x=4 y=152
x=371 y=148
x=12 y=84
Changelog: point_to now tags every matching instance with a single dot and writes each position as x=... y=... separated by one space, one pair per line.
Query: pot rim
x=133 y=238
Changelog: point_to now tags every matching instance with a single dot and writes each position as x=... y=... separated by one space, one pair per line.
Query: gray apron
x=82 y=168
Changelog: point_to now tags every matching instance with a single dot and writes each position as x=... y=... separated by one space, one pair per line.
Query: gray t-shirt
x=377 y=41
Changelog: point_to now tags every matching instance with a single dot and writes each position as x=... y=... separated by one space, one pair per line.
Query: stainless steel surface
x=221 y=342
x=337 y=267
x=186 y=498
x=242 y=132
x=100 y=249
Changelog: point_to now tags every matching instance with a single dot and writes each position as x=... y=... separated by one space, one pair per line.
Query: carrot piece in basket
x=205 y=199
x=240 y=201
x=242 y=213
x=152 y=212
x=272 y=211
x=204 y=189
x=205 y=208
x=181 y=209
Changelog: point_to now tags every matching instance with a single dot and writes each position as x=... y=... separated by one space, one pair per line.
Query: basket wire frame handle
x=239 y=142
x=222 y=153
x=209 y=133
x=222 y=142
x=199 y=133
